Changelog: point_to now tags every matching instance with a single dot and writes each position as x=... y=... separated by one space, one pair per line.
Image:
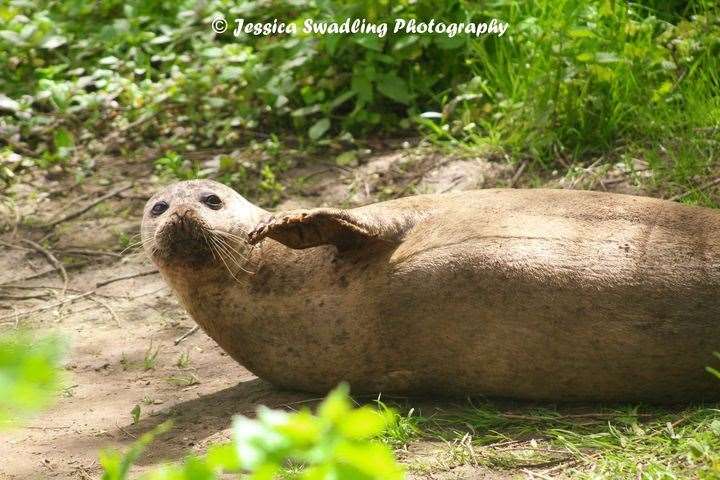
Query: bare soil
x=113 y=332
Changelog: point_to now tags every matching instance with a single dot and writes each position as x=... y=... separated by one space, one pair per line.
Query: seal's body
x=531 y=294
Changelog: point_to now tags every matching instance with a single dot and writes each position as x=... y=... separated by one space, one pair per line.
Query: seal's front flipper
x=321 y=226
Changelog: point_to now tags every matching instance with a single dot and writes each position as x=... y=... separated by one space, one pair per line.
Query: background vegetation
x=572 y=82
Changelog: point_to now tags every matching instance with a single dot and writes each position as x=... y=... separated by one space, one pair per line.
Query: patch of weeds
x=183 y=360
x=173 y=165
x=103 y=210
x=270 y=185
x=336 y=443
x=628 y=442
x=151 y=357
x=135 y=414
x=124 y=361
x=404 y=427
x=184 y=380
x=124 y=240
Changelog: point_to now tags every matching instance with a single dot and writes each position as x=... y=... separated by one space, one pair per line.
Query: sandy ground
x=112 y=331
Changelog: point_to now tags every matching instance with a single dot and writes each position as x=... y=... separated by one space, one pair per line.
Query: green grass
x=151 y=357
x=586 y=443
x=580 y=81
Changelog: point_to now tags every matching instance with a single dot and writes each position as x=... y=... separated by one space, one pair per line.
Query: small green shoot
x=151 y=358
x=135 y=414
x=183 y=360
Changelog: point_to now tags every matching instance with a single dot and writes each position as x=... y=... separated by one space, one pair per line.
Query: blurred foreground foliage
x=336 y=443
x=570 y=81
x=29 y=375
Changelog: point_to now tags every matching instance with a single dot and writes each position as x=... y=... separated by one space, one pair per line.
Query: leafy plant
x=570 y=81
x=335 y=443
x=29 y=375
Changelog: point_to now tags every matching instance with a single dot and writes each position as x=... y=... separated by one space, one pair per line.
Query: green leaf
x=395 y=88
x=368 y=460
x=223 y=457
x=362 y=86
x=302 y=429
x=319 y=128
x=371 y=42
x=580 y=33
x=11 y=37
x=607 y=8
x=7 y=103
x=304 y=111
x=342 y=98
x=347 y=159
x=29 y=375
x=362 y=424
x=53 y=41
x=336 y=405
x=606 y=57
x=64 y=142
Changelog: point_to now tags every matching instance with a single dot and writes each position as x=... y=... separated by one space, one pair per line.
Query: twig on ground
x=16 y=247
x=152 y=292
x=53 y=261
x=109 y=309
x=87 y=207
x=187 y=334
x=533 y=475
x=24 y=297
x=82 y=251
x=17 y=315
x=124 y=431
x=702 y=187
x=42 y=308
x=518 y=173
x=125 y=277
x=43 y=273
x=140 y=198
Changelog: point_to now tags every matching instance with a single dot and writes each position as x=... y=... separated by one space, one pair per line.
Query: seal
x=530 y=294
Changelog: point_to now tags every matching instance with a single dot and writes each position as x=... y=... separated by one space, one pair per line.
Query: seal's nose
x=182 y=212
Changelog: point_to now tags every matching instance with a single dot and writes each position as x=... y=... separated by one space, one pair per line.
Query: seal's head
x=196 y=222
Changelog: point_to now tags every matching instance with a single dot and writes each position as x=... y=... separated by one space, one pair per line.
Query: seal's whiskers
x=222 y=259
x=228 y=250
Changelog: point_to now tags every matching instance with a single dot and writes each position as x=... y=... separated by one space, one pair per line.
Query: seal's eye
x=212 y=201
x=159 y=208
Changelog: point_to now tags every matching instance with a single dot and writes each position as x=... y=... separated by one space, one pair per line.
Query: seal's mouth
x=183 y=239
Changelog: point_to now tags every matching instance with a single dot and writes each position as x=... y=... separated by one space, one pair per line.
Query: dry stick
x=49 y=306
x=16 y=247
x=42 y=274
x=48 y=287
x=87 y=207
x=533 y=475
x=24 y=297
x=125 y=277
x=82 y=251
x=518 y=172
x=53 y=261
x=109 y=309
x=700 y=188
x=187 y=334
x=6 y=318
